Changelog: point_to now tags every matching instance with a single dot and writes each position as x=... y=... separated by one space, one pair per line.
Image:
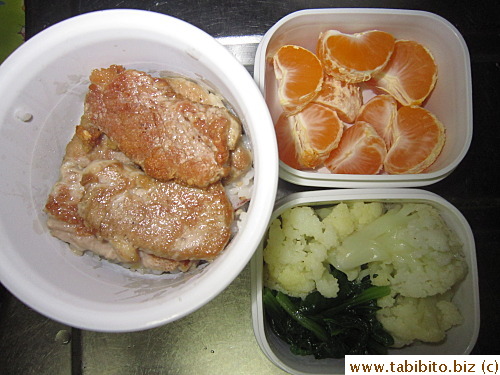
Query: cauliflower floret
x=435 y=262
x=329 y=237
x=292 y=279
x=295 y=256
x=425 y=319
x=365 y=213
x=302 y=242
x=327 y=285
x=405 y=246
x=339 y=223
x=315 y=259
x=371 y=243
x=450 y=315
x=387 y=301
x=301 y=223
x=341 y=220
x=410 y=248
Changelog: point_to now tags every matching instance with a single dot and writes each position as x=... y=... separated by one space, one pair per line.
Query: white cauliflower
x=341 y=220
x=406 y=246
x=298 y=246
x=409 y=248
x=295 y=255
x=365 y=213
x=425 y=319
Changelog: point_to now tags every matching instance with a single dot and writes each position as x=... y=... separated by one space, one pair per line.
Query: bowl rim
x=265 y=160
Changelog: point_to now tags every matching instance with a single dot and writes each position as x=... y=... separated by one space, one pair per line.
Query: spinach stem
x=303 y=320
x=374 y=292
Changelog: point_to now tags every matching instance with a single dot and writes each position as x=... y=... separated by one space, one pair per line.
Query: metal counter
x=218 y=338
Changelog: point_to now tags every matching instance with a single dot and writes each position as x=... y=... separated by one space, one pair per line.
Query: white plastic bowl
x=451 y=100
x=42 y=86
x=460 y=339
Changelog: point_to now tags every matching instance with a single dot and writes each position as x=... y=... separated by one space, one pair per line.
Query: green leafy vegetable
x=303 y=320
x=330 y=327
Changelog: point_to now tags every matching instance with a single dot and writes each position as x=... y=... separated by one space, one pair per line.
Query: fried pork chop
x=166 y=219
x=141 y=182
x=105 y=203
x=171 y=136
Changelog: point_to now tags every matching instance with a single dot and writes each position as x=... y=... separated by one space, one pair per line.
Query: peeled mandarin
x=299 y=74
x=354 y=57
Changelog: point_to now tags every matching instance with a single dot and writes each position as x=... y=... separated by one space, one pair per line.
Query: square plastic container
x=451 y=100
x=460 y=339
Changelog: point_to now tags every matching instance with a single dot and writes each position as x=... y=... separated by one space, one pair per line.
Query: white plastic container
x=451 y=100
x=42 y=86
x=460 y=339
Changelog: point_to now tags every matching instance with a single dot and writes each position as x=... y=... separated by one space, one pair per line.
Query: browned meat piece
x=153 y=262
x=141 y=179
x=87 y=144
x=241 y=161
x=170 y=137
x=138 y=220
x=133 y=211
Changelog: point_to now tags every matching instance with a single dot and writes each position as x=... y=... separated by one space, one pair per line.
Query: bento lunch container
x=42 y=89
x=451 y=100
x=460 y=339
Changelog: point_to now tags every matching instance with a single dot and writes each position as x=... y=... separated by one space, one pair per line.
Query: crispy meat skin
x=88 y=144
x=166 y=219
x=105 y=203
x=169 y=136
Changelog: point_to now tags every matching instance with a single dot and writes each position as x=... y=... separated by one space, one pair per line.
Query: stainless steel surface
x=243 y=48
x=31 y=343
x=218 y=338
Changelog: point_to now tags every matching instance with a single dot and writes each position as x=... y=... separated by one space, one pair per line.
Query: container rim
x=370 y=194
x=74 y=310
x=308 y=178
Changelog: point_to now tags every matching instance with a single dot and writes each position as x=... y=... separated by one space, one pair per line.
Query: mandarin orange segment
x=345 y=98
x=360 y=151
x=314 y=132
x=410 y=75
x=380 y=112
x=418 y=139
x=286 y=134
x=299 y=74
x=354 y=57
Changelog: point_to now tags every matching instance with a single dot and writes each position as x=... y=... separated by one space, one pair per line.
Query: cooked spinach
x=330 y=327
